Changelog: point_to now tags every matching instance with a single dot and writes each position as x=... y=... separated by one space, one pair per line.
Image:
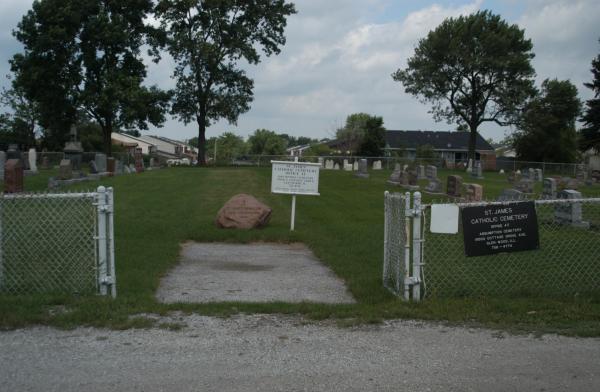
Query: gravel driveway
x=280 y=353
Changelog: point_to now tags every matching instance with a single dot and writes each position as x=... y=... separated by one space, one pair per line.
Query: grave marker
x=570 y=213
x=32 y=160
x=549 y=188
x=362 y=169
x=454 y=186
x=13 y=176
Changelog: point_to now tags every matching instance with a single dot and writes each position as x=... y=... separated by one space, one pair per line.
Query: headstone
x=395 y=177
x=152 y=162
x=25 y=161
x=13 y=152
x=93 y=167
x=13 y=176
x=531 y=174
x=549 y=188
x=73 y=149
x=569 y=213
x=119 y=167
x=434 y=186
x=413 y=178
x=595 y=175
x=511 y=195
x=525 y=185
x=539 y=175
x=377 y=165
x=110 y=165
x=336 y=166
x=405 y=168
x=470 y=166
x=45 y=162
x=347 y=166
x=329 y=164
x=514 y=177
x=2 y=163
x=397 y=167
x=362 y=169
x=139 y=160
x=454 y=186
x=243 y=212
x=132 y=168
x=100 y=162
x=421 y=172
x=431 y=172
x=32 y=160
x=473 y=192
x=477 y=171
x=501 y=171
x=518 y=172
x=65 y=169
x=345 y=163
x=355 y=166
x=126 y=169
x=568 y=183
x=321 y=161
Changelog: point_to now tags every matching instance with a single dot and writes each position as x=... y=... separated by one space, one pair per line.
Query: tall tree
x=472 y=69
x=265 y=142
x=547 y=131
x=351 y=135
x=85 y=54
x=373 y=140
x=207 y=39
x=22 y=119
x=590 y=134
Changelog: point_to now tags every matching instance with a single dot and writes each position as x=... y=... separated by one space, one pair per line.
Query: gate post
x=407 y=219
x=111 y=241
x=102 y=245
x=417 y=243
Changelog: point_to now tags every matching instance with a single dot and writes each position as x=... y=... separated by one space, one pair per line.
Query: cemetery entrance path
x=283 y=353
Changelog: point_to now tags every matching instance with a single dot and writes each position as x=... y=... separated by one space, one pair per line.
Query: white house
x=132 y=142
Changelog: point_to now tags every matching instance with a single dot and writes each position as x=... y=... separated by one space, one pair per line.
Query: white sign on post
x=295 y=178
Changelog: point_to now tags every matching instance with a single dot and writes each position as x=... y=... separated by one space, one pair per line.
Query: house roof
x=438 y=140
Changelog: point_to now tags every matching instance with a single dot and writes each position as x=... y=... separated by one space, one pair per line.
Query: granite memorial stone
x=243 y=212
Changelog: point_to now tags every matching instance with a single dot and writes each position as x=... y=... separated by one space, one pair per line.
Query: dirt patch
x=260 y=272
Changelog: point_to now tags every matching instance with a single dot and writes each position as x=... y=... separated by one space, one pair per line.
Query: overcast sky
x=340 y=54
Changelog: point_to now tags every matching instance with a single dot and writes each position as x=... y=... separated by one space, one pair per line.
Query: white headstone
x=377 y=165
x=336 y=167
x=355 y=166
x=321 y=161
x=32 y=156
x=347 y=166
x=501 y=171
x=329 y=164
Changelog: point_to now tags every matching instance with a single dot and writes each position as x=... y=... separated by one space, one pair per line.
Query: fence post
x=102 y=245
x=407 y=218
x=111 y=241
x=1 y=242
x=416 y=246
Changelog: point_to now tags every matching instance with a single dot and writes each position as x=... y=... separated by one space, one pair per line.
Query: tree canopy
x=207 y=39
x=265 y=142
x=85 y=54
x=373 y=140
x=547 y=131
x=472 y=69
x=590 y=133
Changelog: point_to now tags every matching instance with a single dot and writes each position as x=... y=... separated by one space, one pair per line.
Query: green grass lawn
x=158 y=210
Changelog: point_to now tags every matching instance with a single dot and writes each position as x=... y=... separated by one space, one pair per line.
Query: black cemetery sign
x=510 y=227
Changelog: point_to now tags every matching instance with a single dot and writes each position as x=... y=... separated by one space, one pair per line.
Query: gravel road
x=279 y=353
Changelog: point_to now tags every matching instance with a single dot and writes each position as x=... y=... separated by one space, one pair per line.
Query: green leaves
x=207 y=39
x=471 y=69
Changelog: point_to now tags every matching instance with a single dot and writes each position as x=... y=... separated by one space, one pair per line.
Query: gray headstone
x=355 y=166
x=100 y=160
x=549 y=188
x=525 y=185
x=336 y=166
x=93 y=167
x=421 y=172
x=377 y=165
x=431 y=172
x=511 y=195
x=434 y=186
x=32 y=160
x=363 y=171
x=329 y=164
x=65 y=170
x=569 y=213
x=2 y=162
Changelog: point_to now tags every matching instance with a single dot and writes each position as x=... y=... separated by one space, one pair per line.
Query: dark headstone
x=65 y=170
x=454 y=186
x=473 y=192
x=110 y=165
x=139 y=160
x=13 y=176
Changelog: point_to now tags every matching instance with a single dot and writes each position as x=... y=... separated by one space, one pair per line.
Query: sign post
x=295 y=178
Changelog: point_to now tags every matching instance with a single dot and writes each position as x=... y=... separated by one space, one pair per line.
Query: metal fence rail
x=57 y=243
x=567 y=264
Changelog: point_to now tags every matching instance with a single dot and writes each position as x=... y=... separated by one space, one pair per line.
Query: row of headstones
x=27 y=160
x=329 y=164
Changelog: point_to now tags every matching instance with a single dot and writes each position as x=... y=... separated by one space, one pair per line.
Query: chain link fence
x=395 y=259
x=566 y=264
x=56 y=243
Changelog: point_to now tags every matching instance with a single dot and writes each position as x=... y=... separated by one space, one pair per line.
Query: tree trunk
x=472 y=142
x=201 y=141
x=107 y=133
